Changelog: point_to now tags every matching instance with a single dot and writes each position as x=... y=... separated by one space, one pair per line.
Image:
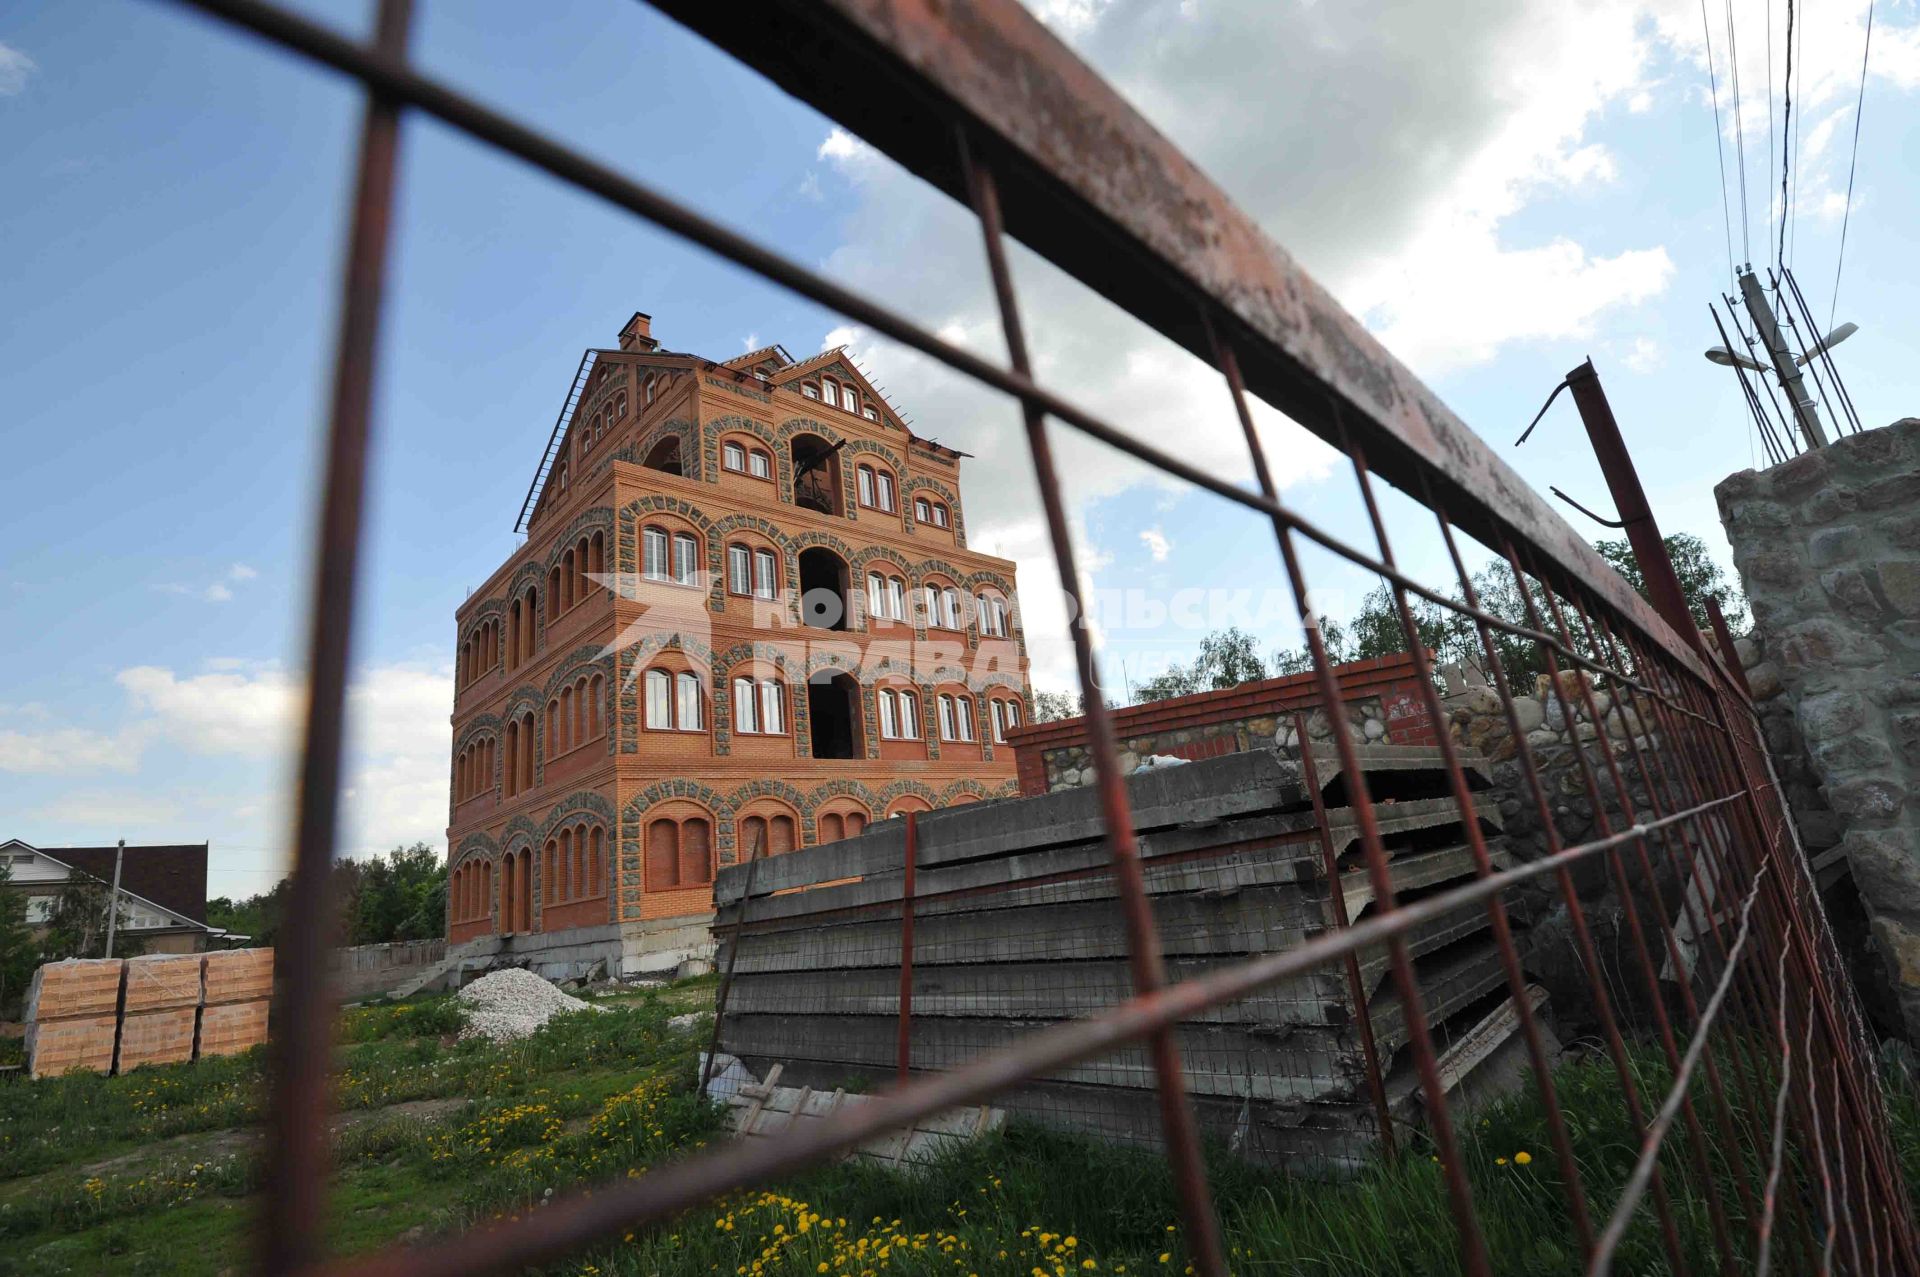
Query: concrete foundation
x=654 y=947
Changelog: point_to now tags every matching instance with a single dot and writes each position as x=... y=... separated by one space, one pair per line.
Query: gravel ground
x=510 y=1004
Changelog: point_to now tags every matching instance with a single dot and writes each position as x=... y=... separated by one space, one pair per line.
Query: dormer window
x=830 y=393
x=871 y=415
x=810 y=390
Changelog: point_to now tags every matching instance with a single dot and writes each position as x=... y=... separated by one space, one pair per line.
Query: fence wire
x=1376 y=914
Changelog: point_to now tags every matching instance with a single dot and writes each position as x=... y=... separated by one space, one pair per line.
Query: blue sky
x=171 y=232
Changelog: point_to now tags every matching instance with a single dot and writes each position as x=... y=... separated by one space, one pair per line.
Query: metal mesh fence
x=1297 y=978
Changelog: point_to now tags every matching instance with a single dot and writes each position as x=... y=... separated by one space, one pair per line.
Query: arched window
x=810 y=390
x=834 y=825
x=553 y=593
x=830 y=392
x=768 y=831
x=686 y=559
x=674 y=701
x=513 y=758
x=759 y=463
x=992 y=611
x=733 y=455
x=876 y=487
x=939 y=515
x=922 y=512
x=886 y=597
x=824 y=589
x=1006 y=717
x=653 y=553
x=752 y=571
x=899 y=714
x=759 y=706
x=596 y=861
x=956 y=717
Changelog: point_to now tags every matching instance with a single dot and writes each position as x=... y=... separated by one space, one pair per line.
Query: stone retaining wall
x=1828 y=547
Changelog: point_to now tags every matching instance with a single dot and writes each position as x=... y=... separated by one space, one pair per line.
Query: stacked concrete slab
x=1016 y=927
x=73 y=1013
x=160 y=1011
x=238 y=987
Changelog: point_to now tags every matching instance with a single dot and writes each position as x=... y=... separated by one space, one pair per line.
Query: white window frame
x=830 y=393
x=739 y=569
x=746 y=706
x=659 y=697
x=733 y=456
x=688 y=715
x=773 y=707
x=923 y=510
x=764 y=573
x=870 y=415
x=883 y=482
x=909 y=716
x=949 y=608
x=939 y=515
x=686 y=559
x=947 y=718
x=759 y=464
x=810 y=391
x=889 y=715
x=655 y=554
x=896 y=599
x=963 y=711
x=876 y=595
x=865 y=474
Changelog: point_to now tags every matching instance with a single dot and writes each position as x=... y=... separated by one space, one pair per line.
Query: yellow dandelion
x=1523 y=1157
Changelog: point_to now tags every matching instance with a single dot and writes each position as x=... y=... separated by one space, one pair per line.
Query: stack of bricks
x=160 y=1010
x=73 y=1014
x=237 y=988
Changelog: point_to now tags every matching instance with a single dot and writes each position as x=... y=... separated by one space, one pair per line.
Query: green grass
x=155 y=1173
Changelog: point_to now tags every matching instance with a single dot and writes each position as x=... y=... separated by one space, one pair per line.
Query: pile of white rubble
x=511 y=1003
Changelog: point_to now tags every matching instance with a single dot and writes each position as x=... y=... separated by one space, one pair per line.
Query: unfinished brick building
x=745 y=613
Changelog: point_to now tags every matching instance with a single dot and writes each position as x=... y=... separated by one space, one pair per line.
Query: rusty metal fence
x=978 y=99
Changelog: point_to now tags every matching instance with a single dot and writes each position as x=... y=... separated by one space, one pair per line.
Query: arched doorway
x=824 y=579
x=833 y=703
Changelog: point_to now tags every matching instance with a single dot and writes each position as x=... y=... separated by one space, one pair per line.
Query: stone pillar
x=1828 y=547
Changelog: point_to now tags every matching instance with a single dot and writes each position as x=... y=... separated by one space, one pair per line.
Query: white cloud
x=15 y=68
x=1156 y=542
x=843 y=148
x=1644 y=355
x=62 y=750
x=219 y=590
x=220 y=712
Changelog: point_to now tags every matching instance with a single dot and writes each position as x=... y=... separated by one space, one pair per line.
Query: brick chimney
x=638 y=334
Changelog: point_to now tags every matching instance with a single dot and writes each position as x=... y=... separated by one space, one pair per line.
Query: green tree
x=77 y=924
x=19 y=955
x=1051 y=707
x=1700 y=578
x=1227 y=658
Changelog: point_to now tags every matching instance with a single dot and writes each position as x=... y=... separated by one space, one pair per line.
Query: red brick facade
x=649 y=685
x=1209 y=724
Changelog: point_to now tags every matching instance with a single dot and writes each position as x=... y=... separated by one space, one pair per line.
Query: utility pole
x=1804 y=410
x=113 y=901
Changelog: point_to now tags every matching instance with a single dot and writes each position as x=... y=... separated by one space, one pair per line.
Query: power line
x=1783 y=210
x=1719 y=143
x=1739 y=133
x=1786 y=129
x=1852 y=162
x=1793 y=217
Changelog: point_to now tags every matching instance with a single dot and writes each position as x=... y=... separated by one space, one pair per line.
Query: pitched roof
x=172 y=876
x=752 y=357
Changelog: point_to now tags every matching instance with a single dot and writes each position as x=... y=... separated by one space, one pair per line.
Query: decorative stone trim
x=926 y=483
x=782 y=456
x=495 y=609
x=717 y=559
x=529 y=698
x=795 y=677
x=598 y=519
x=717 y=805
x=629 y=663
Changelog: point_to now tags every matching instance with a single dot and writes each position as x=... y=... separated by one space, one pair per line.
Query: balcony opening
x=824 y=581
x=665 y=456
x=816 y=474
x=833 y=703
